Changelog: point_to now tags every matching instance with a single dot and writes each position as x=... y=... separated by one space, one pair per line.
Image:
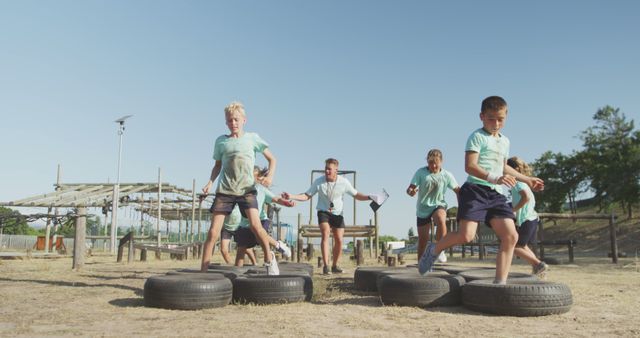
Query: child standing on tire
x=486 y=154
x=234 y=156
x=431 y=183
x=244 y=237
x=527 y=220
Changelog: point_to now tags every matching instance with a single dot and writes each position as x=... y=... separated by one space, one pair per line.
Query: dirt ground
x=43 y=297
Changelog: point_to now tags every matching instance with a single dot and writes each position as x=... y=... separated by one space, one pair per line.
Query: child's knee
x=467 y=236
x=510 y=238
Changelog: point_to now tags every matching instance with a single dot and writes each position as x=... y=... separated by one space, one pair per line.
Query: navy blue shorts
x=224 y=203
x=244 y=237
x=527 y=232
x=226 y=234
x=481 y=203
x=335 y=221
x=421 y=222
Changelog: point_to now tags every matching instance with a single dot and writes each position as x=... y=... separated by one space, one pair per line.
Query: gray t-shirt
x=238 y=156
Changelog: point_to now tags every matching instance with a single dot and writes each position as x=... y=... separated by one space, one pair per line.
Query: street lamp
x=116 y=187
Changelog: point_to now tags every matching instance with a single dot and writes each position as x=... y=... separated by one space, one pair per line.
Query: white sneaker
x=272 y=267
x=442 y=258
x=283 y=249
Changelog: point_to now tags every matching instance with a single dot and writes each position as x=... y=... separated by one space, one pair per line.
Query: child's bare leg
x=224 y=250
x=527 y=254
x=440 y=218
x=258 y=231
x=252 y=256
x=338 y=234
x=505 y=229
x=240 y=255
x=212 y=237
x=325 y=229
x=466 y=234
x=423 y=238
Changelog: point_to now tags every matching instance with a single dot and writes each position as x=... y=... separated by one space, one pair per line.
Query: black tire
x=263 y=289
x=490 y=274
x=308 y=280
x=365 y=278
x=517 y=298
x=409 y=290
x=232 y=268
x=292 y=265
x=187 y=292
x=196 y=273
x=406 y=271
x=455 y=269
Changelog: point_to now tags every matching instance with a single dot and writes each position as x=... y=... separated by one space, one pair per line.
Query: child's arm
x=472 y=168
x=298 y=197
x=282 y=201
x=272 y=167
x=535 y=183
x=412 y=189
x=215 y=171
x=524 y=199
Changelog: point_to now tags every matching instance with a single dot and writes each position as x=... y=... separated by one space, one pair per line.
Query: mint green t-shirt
x=527 y=212
x=232 y=220
x=492 y=151
x=431 y=190
x=263 y=196
x=238 y=156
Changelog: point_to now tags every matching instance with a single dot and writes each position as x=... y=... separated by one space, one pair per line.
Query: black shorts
x=421 y=222
x=224 y=203
x=335 y=221
x=244 y=237
x=527 y=232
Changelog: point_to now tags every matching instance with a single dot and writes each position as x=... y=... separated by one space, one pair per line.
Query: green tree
x=564 y=178
x=13 y=223
x=612 y=159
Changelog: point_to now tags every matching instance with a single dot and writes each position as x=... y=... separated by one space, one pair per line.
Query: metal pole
x=116 y=193
x=193 y=208
x=159 y=205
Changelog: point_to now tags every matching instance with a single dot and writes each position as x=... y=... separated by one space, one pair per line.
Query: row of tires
x=523 y=295
x=192 y=290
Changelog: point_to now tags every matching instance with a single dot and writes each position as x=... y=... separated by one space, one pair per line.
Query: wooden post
x=481 y=252
x=391 y=261
x=614 y=242
x=570 y=251
x=132 y=250
x=375 y=220
x=309 y=251
x=143 y=255
x=319 y=262
x=400 y=259
x=299 y=251
x=159 y=211
x=47 y=232
x=360 y=252
x=193 y=209
x=79 y=240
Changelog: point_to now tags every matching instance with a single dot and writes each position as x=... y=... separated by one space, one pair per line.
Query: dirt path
x=43 y=297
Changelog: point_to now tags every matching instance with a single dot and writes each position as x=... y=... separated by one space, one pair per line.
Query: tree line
x=608 y=167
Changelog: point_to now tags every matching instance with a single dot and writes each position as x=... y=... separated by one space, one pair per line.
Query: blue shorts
x=481 y=203
x=244 y=237
x=224 y=203
x=421 y=222
x=527 y=232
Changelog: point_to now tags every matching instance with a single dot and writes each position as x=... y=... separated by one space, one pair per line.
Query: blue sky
x=375 y=84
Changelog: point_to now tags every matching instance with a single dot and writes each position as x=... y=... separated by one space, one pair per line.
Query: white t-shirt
x=331 y=192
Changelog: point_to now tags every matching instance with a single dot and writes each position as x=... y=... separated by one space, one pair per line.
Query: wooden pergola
x=170 y=203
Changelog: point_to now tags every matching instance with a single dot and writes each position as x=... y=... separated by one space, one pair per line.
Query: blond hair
x=331 y=161
x=519 y=165
x=234 y=107
x=434 y=153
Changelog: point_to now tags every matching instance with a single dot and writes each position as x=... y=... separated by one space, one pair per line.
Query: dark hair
x=434 y=153
x=492 y=103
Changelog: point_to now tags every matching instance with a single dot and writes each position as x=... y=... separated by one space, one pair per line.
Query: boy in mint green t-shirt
x=431 y=183
x=479 y=200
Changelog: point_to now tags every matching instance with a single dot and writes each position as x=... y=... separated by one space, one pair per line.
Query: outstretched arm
x=535 y=183
x=282 y=201
x=362 y=197
x=299 y=197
